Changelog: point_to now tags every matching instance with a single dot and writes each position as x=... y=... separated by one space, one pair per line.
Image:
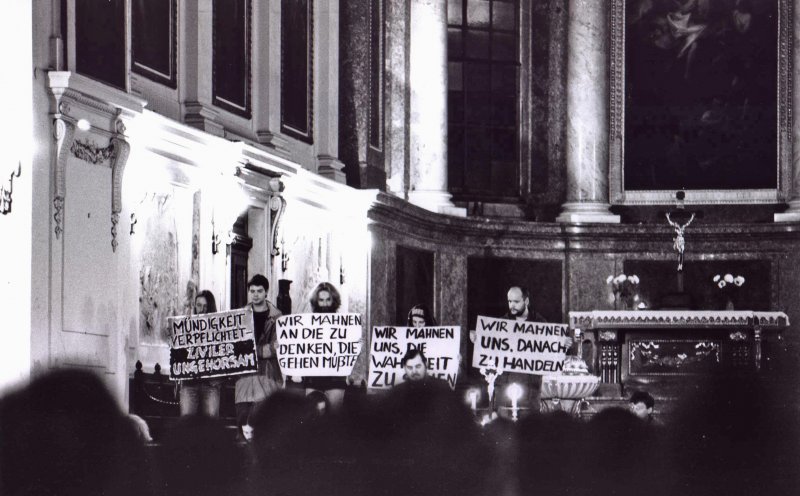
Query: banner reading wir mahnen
x=212 y=345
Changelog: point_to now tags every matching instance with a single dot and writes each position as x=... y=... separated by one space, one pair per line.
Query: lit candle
x=514 y=392
x=473 y=400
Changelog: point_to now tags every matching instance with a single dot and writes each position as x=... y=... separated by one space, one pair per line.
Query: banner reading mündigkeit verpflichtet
x=212 y=345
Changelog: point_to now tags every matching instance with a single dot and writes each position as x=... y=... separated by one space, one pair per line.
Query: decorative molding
x=58 y=215
x=114 y=222
x=600 y=319
x=91 y=152
x=277 y=206
x=607 y=336
x=121 y=150
x=737 y=336
x=6 y=191
x=63 y=133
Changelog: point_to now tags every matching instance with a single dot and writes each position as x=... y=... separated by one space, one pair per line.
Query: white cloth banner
x=318 y=344
x=439 y=344
x=536 y=348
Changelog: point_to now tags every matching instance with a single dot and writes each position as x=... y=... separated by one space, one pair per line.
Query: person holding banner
x=201 y=394
x=520 y=309
x=255 y=388
x=326 y=299
x=421 y=316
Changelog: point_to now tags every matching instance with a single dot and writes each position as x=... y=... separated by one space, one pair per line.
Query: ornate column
x=396 y=93
x=793 y=213
x=428 y=101
x=587 y=114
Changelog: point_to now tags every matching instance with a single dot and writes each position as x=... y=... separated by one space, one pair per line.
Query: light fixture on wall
x=284 y=256
x=83 y=125
x=7 y=188
x=134 y=221
x=214 y=238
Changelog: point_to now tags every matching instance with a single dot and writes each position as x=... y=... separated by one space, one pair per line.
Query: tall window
x=483 y=99
x=231 y=56
x=100 y=40
x=297 y=42
x=154 y=39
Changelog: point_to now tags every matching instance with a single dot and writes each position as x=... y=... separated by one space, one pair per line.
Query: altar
x=664 y=351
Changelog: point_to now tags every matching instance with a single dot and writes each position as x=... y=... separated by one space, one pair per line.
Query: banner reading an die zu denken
x=318 y=344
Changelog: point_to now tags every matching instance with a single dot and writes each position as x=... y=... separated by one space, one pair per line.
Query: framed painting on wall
x=700 y=101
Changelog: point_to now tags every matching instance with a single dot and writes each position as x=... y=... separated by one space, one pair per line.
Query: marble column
x=587 y=114
x=793 y=213
x=326 y=89
x=428 y=115
x=396 y=92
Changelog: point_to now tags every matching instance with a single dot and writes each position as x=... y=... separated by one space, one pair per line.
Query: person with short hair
x=201 y=395
x=415 y=365
x=641 y=404
x=253 y=389
x=520 y=309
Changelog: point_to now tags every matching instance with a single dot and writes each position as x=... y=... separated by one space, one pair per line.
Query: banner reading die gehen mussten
x=212 y=345
x=439 y=344
x=318 y=344
x=536 y=348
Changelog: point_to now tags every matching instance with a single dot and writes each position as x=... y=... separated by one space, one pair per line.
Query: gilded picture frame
x=717 y=147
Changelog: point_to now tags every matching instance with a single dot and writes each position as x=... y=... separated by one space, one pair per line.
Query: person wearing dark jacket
x=252 y=389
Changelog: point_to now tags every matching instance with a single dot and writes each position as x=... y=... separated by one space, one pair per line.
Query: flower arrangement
x=625 y=289
x=728 y=285
x=728 y=279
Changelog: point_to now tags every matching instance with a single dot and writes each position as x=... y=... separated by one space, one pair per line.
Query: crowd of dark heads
x=64 y=434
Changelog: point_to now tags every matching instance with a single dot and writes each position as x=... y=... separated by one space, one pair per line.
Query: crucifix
x=680 y=240
x=676 y=220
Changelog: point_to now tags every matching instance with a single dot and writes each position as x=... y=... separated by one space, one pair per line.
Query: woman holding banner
x=201 y=395
x=421 y=316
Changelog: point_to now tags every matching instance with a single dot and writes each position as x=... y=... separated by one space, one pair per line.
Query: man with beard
x=520 y=309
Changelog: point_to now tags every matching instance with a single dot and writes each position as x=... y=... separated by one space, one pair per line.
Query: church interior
x=630 y=163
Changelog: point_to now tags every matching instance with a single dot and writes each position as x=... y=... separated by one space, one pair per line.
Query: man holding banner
x=520 y=310
x=255 y=388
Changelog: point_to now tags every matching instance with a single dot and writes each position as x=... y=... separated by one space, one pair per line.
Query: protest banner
x=318 y=344
x=389 y=344
x=536 y=348
x=212 y=345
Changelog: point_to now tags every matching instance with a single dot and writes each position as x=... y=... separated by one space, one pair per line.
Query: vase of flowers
x=626 y=291
x=728 y=286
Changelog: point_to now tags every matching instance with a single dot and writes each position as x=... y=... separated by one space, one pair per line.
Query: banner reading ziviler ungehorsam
x=212 y=345
x=536 y=348
x=318 y=344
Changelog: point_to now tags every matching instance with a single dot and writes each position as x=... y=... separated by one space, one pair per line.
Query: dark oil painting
x=701 y=94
